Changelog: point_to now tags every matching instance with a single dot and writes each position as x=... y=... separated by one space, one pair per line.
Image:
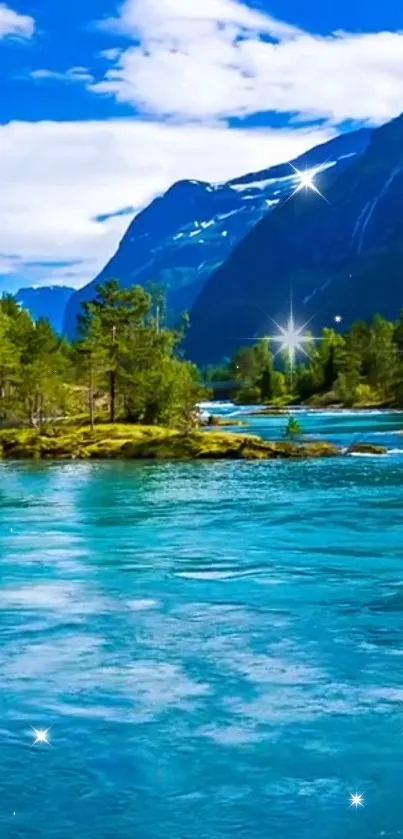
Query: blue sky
x=104 y=105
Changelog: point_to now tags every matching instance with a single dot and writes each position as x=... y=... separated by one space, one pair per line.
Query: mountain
x=342 y=256
x=180 y=239
x=45 y=302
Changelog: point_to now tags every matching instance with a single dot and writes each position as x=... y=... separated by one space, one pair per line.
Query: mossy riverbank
x=133 y=442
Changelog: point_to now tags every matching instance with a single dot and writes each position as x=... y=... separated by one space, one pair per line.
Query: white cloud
x=12 y=23
x=176 y=18
x=111 y=54
x=74 y=74
x=56 y=177
x=213 y=59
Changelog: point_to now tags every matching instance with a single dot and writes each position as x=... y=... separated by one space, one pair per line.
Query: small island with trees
x=124 y=389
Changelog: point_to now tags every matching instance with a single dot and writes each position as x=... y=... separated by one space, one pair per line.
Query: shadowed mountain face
x=45 y=302
x=180 y=239
x=343 y=256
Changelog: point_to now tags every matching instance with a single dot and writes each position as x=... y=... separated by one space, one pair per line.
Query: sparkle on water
x=356 y=800
x=41 y=735
x=213 y=646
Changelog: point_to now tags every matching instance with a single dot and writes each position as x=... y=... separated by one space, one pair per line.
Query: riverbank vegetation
x=132 y=442
x=126 y=367
x=361 y=367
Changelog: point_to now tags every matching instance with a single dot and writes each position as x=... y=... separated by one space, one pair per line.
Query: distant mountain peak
x=45 y=302
x=182 y=237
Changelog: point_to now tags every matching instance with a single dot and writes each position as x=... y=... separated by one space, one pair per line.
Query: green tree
x=293 y=429
x=382 y=356
x=319 y=373
x=253 y=367
x=107 y=326
x=219 y=373
x=264 y=361
x=43 y=376
x=244 y=366
x=9 y=365
x=279 y=386
x=353 y=363
x=135 y=357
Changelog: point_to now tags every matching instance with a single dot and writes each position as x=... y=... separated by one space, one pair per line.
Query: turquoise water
x=216 y=648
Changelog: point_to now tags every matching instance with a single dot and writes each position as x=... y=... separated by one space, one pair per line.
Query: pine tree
x=134 y=356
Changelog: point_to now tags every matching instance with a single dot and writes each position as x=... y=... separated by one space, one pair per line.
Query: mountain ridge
x=45 y=302
x=182 y=237
x=327 y=254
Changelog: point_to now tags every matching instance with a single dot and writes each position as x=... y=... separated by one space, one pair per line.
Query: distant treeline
x=126 y=364
x=363 y=366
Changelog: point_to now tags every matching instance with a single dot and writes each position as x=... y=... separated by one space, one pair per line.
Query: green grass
x=140 y=442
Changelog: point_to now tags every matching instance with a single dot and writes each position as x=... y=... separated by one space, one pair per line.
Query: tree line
x=126 y=364
x=363 y=366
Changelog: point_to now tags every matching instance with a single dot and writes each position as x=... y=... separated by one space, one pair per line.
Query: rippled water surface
x=216 y=648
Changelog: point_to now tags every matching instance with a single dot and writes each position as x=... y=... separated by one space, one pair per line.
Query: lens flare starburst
x=292 y=339
x=40 y=735
x=307 y=182
x=356 y=800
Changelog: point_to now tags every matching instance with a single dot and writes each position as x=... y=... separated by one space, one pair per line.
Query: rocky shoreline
x=143 y=442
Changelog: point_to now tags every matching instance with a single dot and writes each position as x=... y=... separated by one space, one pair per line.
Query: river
x=215 y=649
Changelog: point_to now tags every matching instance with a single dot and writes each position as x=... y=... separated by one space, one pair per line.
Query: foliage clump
x=125 y=365
x=360 y=367
x=293 y=429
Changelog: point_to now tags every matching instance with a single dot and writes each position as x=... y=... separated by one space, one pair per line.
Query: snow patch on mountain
x=164 y=242
x=258 y=184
